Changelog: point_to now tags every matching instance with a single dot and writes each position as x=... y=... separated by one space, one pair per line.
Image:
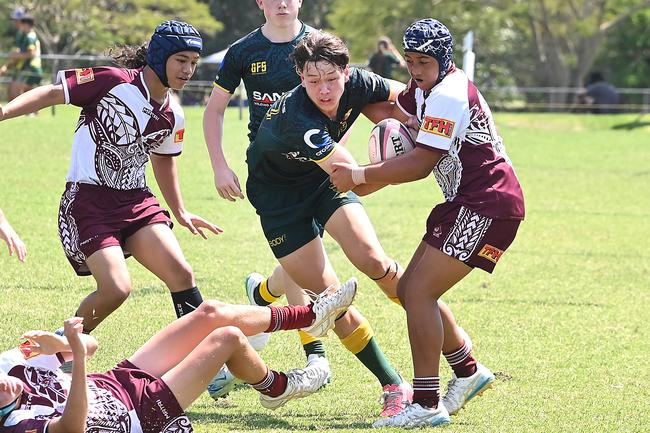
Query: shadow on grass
x=257 y=420
x=636 y=123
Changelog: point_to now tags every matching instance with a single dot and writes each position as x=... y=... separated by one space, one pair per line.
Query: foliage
x=625 y=57
x=517 y=42
x=80 y=26
x=540 y=43
x=563 y=38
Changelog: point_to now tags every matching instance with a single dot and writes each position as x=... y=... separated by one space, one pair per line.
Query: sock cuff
x=265 y=293
x=276 y=321
x=306 y=338
x=264 y=383
x=359 y=338
x=426 y=383
x=457 y=356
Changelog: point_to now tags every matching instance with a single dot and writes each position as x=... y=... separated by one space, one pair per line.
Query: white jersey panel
x=444 y=113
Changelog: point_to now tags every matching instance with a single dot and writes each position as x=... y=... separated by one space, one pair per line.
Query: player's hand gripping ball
x=388 y=139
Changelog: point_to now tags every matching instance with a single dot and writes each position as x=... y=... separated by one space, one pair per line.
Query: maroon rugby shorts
x=93 y=217
x=474 y=239
x=154 y=403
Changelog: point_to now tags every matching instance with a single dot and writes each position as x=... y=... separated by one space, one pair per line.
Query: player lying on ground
x=149 y=391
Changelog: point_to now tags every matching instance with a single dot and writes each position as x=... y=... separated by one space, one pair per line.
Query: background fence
x=530 y=99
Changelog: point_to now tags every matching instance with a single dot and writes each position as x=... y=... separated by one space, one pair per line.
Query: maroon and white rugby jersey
x=119 y=126
x=45 y=392
x=475 y=170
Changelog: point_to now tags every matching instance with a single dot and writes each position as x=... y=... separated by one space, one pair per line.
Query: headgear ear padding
x=432 y=38
x=169 y=38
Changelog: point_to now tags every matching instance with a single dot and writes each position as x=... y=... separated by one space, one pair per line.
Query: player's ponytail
x=130 y=56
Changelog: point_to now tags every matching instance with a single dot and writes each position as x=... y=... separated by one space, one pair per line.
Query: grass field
x=562 y=321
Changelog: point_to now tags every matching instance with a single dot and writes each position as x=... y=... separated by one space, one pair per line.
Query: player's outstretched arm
x=164 y=169
x=33 y=100
x=11 y=238
x=75 y=413
x=225 y=180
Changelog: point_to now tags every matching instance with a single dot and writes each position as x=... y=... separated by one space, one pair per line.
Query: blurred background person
x=28 y=59
x=601 y=95
x=382 y=61
x=11 y=63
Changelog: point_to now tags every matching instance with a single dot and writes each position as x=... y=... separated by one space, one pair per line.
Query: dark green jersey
x=295 y=134
x=265 y=68
x=28 y=42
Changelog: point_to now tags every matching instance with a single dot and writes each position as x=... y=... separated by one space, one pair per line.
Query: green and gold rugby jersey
x=30 y=41
x=265 y=68
x=295 y=134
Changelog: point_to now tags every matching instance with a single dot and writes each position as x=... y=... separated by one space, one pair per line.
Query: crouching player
x=150 y=391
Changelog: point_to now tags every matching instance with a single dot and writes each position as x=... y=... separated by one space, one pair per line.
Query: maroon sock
x=273 y=385
x=290 y=317
x=426 y=391
x=462 y=361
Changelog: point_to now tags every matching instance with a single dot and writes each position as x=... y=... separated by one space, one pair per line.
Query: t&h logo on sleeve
x=84 y=75
x=438 y=126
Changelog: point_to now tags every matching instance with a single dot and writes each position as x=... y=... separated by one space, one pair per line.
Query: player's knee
x=375 y=266
x=229 y=336
x=114 y=293
x=185 y=274
x=181 y=276
x=212 y=309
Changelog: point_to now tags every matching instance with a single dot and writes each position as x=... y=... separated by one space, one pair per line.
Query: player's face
x=280 y=13
x=10 y=389
x=180 y=68
x=325 y=83
x=423 y=69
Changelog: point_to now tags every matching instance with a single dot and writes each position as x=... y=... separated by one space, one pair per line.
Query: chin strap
x=5 y=410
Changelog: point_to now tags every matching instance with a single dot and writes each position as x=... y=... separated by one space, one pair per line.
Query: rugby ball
x=388 y=139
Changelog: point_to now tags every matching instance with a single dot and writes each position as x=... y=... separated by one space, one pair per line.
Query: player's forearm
x=164 y=169
x=76 y=408
x=213 y=135
x=365 y=189
x=88 y=341
x=406 y=168
x=33 y=100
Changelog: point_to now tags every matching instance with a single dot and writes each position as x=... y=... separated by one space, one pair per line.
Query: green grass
x=562 y=321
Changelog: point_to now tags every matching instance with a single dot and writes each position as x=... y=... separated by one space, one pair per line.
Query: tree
x=80 y=26
x=546 y=43
x=625 y=57
x=495 y=44
x=565 y=36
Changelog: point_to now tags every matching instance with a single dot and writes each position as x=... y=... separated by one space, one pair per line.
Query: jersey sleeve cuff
x=60 y=78
x=223 y=88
